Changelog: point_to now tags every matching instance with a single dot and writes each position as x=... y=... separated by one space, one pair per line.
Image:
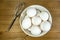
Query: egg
x=45 y=26
x=36 y=20
x=31 y=12
x=44 y=16
x=35 y=30
x=26 y=23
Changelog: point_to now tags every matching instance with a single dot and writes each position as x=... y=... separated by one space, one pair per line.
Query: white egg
x=31 y=12
x=35 y=30
x=26 y=23
x=36 y=20
x=45 y=26
x=44 y=16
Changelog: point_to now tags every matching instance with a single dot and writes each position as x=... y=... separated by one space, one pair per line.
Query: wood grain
x=7 y=11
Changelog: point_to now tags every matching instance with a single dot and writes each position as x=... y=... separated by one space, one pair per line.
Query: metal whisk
x=19 y=10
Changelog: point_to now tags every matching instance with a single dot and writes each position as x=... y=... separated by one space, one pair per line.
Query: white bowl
x=23 y=14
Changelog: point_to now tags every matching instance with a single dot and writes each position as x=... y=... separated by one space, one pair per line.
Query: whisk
x=19 y=10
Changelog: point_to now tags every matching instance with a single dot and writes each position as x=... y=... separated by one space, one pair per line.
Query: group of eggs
x=36 y=21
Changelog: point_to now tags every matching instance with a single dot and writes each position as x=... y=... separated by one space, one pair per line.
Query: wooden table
x=7 y=11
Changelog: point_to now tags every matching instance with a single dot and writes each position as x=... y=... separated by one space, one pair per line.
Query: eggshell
x=44 y=16
x=31 y=12
x=45 y=26
x=36 y=20
x=26 y=23
x=35 y=30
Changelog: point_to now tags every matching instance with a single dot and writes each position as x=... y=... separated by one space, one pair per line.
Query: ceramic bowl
x=23 y=14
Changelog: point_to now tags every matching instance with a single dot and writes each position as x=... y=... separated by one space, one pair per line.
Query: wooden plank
x=11 y=35
x=7 y=11
x=48 y=36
